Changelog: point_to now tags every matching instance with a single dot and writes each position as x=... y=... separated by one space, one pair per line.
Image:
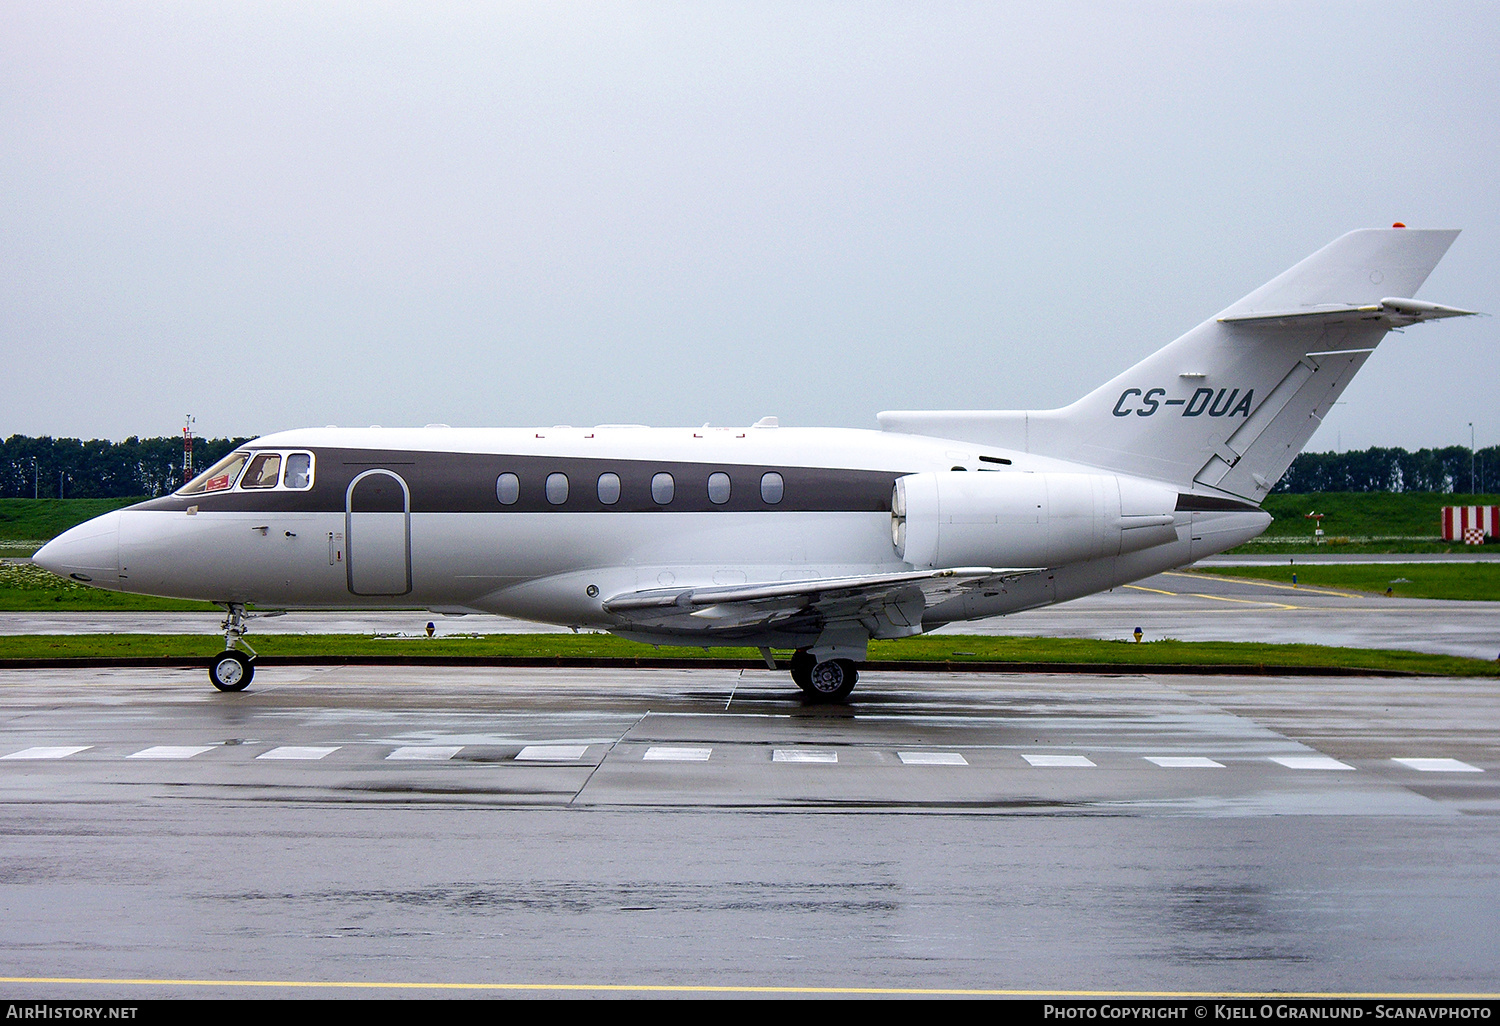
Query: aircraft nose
x=89 y=552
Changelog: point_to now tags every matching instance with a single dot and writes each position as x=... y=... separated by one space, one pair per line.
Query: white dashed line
x=1184 y=762
x=663 y=753
x=171 y=752
x=552 y=753
x=932 y=759
x=425 y=753
x=803 y=755
x=1310 y=762
x=1439 y=765
x=47 y=753
x=298 y=752
x=1057 y=760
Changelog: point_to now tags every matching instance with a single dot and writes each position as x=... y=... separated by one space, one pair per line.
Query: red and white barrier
x=1471 y=524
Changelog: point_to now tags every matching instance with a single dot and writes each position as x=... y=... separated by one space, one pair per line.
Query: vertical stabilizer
x=1230 y=404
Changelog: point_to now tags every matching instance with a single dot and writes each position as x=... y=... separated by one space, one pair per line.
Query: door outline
x=350 y=553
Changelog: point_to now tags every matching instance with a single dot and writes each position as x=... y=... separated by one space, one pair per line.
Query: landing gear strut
x=828 y=681
x=231 y=669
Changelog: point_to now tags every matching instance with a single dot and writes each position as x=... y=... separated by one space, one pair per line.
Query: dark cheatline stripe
x=446 y=482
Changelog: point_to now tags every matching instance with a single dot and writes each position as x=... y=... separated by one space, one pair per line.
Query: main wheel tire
x=832 y=680
x=802 y=668
x=231 y=671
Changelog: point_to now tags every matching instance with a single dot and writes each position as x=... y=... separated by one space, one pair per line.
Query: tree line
x=70 y=468
x=1396 y=470
x=50 y=468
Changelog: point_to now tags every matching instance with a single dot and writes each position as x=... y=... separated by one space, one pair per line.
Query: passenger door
x=377 y=534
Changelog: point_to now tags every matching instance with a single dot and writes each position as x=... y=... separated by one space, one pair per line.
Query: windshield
x=217 y=478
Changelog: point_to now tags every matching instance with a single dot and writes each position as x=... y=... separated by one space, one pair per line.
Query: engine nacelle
x=1016 y=519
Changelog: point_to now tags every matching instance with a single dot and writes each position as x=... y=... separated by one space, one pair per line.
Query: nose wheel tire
x=231 y=671
x=832 y=680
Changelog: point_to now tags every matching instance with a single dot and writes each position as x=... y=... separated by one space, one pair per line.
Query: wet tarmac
x=705 y=828
x=1188 y=607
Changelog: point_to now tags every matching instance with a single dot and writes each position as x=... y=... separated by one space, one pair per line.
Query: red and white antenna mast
x=187 y=448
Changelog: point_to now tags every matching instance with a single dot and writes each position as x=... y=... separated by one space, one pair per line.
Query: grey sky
x=281 y=215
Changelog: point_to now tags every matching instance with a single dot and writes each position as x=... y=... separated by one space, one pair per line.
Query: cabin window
x=609 y=489
x=718 y=488
x=771 y=487
x=298 y=470
x=662 y=488
x=264 y=471
x=507 y=489
x=218 y=478
x=557 y=489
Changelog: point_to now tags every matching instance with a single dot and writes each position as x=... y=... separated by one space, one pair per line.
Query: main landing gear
x=828 y=681
x=231 y=669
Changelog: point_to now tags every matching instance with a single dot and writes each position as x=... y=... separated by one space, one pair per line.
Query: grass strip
x=1470 y=582
x=948 y=649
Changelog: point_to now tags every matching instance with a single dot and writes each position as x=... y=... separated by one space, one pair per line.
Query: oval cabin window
x=771 y=487
x=557 y=489
x=507 y=489
x=609 y=489
x=662 y=488
x=718 y=488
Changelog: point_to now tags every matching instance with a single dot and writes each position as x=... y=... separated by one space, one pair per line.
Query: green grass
x=27 y=524
x=1362 y=522
x=25 y=588
x=956 y=649
x=1474 y=582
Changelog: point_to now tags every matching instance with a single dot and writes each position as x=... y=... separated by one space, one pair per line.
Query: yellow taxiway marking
x=1217 y=598
x=692 y=988
x=1142 y=587
x=1269 y=584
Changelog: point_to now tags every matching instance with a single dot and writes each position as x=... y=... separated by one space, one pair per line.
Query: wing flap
x=898 y=597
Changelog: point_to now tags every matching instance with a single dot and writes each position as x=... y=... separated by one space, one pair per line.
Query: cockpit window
x=298 y=470
x=265 y=470
x=218 y=478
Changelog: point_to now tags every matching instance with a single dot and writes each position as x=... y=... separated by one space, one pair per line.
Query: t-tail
x=1230 y=404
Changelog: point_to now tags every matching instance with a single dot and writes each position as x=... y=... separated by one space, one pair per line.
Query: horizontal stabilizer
x=1392 y=312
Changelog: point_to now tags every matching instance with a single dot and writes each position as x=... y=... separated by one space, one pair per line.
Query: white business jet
x=814 y=540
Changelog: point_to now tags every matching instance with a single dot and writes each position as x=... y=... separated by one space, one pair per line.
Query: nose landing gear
x=231 y=669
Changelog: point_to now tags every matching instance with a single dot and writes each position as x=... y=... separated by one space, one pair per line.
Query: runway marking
x=1158 y=591
x=55 y=752
x=171 y=752
x=425 y=753
x=1216 y=598
x=1439 y=765
x=932 y=759
x=1272 y=584
x=298 y=752
x=1057 y=760
x=666 y=753
x=1310 y=762
x=803 y=755
x=708 y=988
x=552 y=753
x=1184 y=762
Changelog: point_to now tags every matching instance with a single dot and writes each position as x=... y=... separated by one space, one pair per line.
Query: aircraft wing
x=898 y=598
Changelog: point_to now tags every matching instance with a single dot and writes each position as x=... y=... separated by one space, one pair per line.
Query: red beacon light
x=1398 y=224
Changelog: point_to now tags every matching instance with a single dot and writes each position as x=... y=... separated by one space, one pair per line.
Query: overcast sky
x=282 y=215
